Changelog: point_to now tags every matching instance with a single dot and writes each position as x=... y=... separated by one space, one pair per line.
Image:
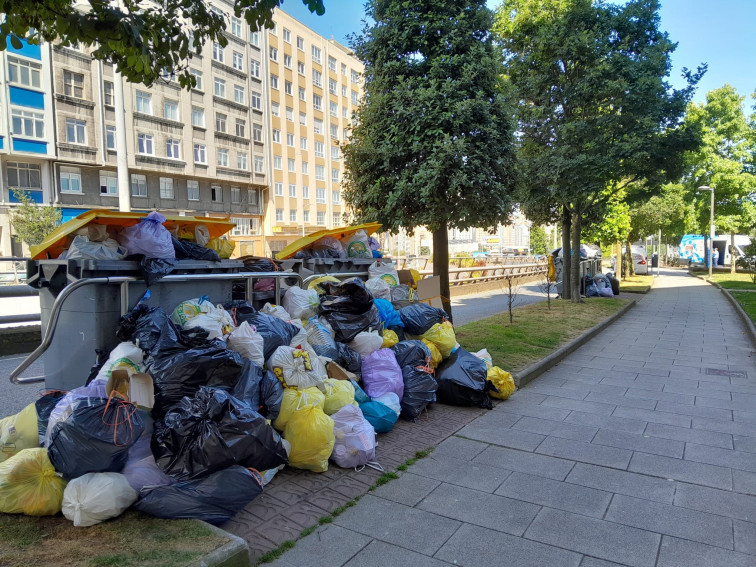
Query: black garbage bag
x=188 y=250
x=240 y=310
x=591 y=289
x=154 y=269
x=214 y=499
x=275 y=332
x=44 y=406
x=462 y=380
x=614 y=282
x=150 y=328
x=419 y=317
x=101 y=357
x=349 y=359
x=212 y=431
x=349 y=325
x=349 y=296
x=259 y=264
x=95 y=437
x=411 y=353
x=419 y=391
x=259 y=389
x=180 y=372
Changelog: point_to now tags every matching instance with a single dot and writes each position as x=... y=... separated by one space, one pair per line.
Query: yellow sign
x=276 y=229
x=492 y=240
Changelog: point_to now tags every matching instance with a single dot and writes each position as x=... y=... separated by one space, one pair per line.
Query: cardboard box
x=339 y=373
x=138 y=387
x=405 y=277
x=429 y=291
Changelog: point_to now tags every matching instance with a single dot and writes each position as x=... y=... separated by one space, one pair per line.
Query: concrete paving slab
x=741 y=402
x=733 y=427
x=408 y=489
x=593 y=562
x=622 y=482
x=463 y=473
x=514 y=460
x=653 y=416
x=695 y=410
x=330 y=546
x=459 y=448
x=642 y=443
x=585 y=452
x=380 y=554
x=677 y=552
x=607 y=422
x=556 y=428
x=744 y=482
x=722 y=502
x=578 y=405
x=682 y=470
x=686 y=434
x=660 y=395
x=721 y=457
x=743 y=443
x=621 y=400
x=745 y=537
x=490 y=432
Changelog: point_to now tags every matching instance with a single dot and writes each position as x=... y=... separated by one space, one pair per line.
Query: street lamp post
x=711 y=225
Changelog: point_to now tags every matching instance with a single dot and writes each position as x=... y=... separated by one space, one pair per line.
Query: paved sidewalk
x=638 y=449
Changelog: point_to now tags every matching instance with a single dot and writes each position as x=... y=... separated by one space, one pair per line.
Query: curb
x=535 y=370
x=235 y=553
x=747 y=323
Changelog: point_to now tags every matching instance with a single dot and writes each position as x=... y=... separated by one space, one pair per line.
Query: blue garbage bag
x=389 y=315
x=380 y=416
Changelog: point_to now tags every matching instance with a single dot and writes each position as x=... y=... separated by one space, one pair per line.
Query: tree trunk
x=575 y=257
x=566 y=265
x=732 y=252
x=629 y=263
x=441 y=265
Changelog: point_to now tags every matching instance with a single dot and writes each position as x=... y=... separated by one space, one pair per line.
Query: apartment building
x=314 y=86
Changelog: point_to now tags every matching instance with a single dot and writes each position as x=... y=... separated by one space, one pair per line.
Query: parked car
x=640 y=260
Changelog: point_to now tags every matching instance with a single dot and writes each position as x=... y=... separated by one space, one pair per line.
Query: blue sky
x=721 y=33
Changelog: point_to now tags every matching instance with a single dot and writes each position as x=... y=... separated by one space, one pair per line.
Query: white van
x=723 y=245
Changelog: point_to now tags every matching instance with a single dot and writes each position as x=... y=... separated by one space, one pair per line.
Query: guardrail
x=482 y=274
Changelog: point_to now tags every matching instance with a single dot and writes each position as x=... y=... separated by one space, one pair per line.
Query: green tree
x=725 y=162
x=539 y=243
x=141 y=38
x=32 y=222
x=595 y=109
x=432 y=145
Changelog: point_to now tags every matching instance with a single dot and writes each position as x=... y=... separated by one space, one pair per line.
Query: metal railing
x=482 y=274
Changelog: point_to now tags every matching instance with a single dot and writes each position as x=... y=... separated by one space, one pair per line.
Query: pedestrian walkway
x=638 y=449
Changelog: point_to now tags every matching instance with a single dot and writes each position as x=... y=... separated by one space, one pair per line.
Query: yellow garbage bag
x=503 y=382
x=416 y=277
x=338 y=393
x=293 y=399
x=223 y=247
x=29 y=485
x=436 y=357
x=442 y=335
x=315 y=284
x=310 y=432
x=18 y=432
x=390 y=338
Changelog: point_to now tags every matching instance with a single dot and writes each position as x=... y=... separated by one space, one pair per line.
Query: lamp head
x=705 y=188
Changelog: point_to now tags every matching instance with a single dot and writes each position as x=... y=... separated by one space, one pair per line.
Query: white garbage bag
x=367 y=342
x=355 y=438
x=379 y=288
x=385 y=271
x=276 y=311
x=190 y=308
x=83 y=249
x=248 y=342
x=358 y=246
x=297 y=367
x=126 y=356
x=217 y=322
x=301 y=303
x=95 y=497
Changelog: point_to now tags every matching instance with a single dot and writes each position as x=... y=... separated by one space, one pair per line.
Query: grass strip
x=747 y=302
x=536 y=331
x=739 y=280
x=636 y=284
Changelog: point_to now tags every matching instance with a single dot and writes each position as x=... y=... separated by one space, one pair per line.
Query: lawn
x=132 y=539
x=727 y=280
x=747 y=302
x=636 y=284
x=536 y=332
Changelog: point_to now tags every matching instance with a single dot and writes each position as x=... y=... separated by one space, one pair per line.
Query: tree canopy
x=142 y=38
x=31 y=222
x=432 y=143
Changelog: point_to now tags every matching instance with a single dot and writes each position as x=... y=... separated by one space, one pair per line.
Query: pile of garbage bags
x=601 y=285
x=356 y=245
x=236 y=394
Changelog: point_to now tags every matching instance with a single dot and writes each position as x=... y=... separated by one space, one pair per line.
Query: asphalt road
x=13 y=397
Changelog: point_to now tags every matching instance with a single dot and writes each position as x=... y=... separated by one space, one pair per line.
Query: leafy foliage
x=141 y=38
x=539 y=242
x=32 y=222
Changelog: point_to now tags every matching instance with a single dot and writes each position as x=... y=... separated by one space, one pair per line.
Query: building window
x=242 y=225
x=335 y=176
x=335 y=152
x=256 y=101
x=305 y=192
x=273 y=54
x=73 y=84
x=223 y=158
x=24 y=175
x=108 y=93
x=110 y=137
x=305 y=216
x=320 y=196
x=275 y=109
x=303 y=119
x=277 y=162
x=144 y=144
x=197 y=78
x=321 y=218
x=292 y=215
x=302 y=143
x=292 y=164
x=316 y=54
x=173 y=149
x=301 y=68
x=220 y=122
x=170 y=110
x=217 y=52
x=334 y=131
x=24 y=73
x=259 y=164
x=332 y=64
x=166 y=188
x=254 y=39
x=334 y=109
x=305 y=168
x=276 y=136
x=138 y=185
x=302 y=93
x=257 y=132
x=200 y=153
x=220 y=88
x=317 y=78
x=319 y=149
x=355 y=76
x=300 y=43
x=254 y=68
x=286 y=35
x=143 y=102
x=318 y=126
x=332 y=86
x=336 y=219
x=70 y=179
x=343 y=69
x=238 y=61
x=292 y=190
x=320 y=173
x=288 y=87
x=241 y=161
x=287 y=61
x=317 y=102
x=241 y=127
x=355 y=99
x=239 y=94
x=236 y=27
x=235 y=195
x=198 y=117
x=279 y=215
x=278 y=189
x=274 y=81
x=192 y=190
x=290 y=139
x=108 y=183
x=252 y=196
x=289 y=114
x=344 y=111
x=343 y=90
x=216 y=193
x=75 y=131
x=274 y=29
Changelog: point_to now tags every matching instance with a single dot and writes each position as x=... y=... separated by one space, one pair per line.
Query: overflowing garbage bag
x=215 y=498
x=354 y=443
x=389 y=316
x=274 y=331
x=293 y=400
x=82 y=248
x=366 y=342
x=310 y=432
x=390 y=338
x=502 y=383
x=301 y=303
x=442 y=335
x=188 y=250
x=141 y=470
x=297 y=367
x=211 y=431
x=381 y=374
x=411 y=353
x=19 y=432
x=259 y=389
x=94 y=436
x=240 y=310
x=320 y=339
x=463 y=380
x=358 y=245
x=379 y=415
x=245 y=340
x=390 y=400
x=45 y=404
x=29 y=484
x=216 y=321
x=348 y=325
x=148 y=237
x=126 y=356
x=349 y=358
x=385 y=271
x=150 y=328
x=419 y=390
x=348 y=296
x=379 y=289
x=419 y=317
x=96 y=497
x=190 y=308
x=338 y=393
